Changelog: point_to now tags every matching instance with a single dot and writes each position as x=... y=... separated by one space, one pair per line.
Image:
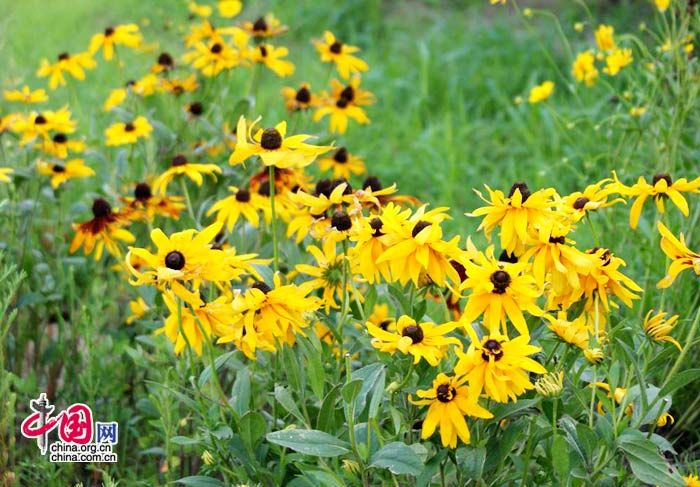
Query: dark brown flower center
x=261 y=286
x=341 y=103
x=264 y=188
x=580 y=203
x=414 y=332
x=142 y=192
x=557 y=240
x=445 y=393
x=196 y=108
x=376 y=225
x=665 y=176
x=491 y=348
x=336 y=47
x=216 y=48
x=129 y=127
x=60 y=138
x=461 y=271
x=605 y=256
x=341 y=221
x=506 y=257
x=271 y=139
x=323 y=187
x=372 y=183
x=63 y=56
x=101 y=208
x=337 y=182
x=109 y=31
x=263 y=50
x=243 y=195
x=348 y=93
x=57 y=168
x=260 y=25
x=384 y=325
x=175 y=260
x=179 y=160
x=341 y=155
x=420 y=225
x=165 y=60
x=524 y=190
x=40 y=120
x=303 y=95
x=501 y=281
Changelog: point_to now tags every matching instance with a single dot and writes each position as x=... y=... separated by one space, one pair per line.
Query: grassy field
x=446 y=75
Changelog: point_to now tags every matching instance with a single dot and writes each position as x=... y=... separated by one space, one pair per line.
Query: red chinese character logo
x=74 y=424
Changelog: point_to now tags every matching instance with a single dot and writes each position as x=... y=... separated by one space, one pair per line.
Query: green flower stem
x=185 y=192
x=273 y=224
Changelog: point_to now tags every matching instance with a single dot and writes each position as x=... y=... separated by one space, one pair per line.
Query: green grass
x=445 y=75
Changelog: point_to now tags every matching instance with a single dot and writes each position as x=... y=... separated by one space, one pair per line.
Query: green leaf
x=291 y=369
x=351 y=390
x=326 y=420
x=646 y=462
x=510 y=409
x=471 y=461
x=560 y=457
x=398 y=458
x=680 y=380
x=309 y=442
x=240 y=394
x=370 y=375
x=200 y=481
x=252 y=427
x=569 y=426
x=220 y=361
x=284 y=397
x=184 y=441
x=314 y=369
x=399 y=297
x=377 y=395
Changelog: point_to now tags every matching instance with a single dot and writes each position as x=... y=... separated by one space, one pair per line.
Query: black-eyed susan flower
x=515 y=213
x=127 y=35
x=450 y=400
x=371 y=242
x=40 y=124
x=662 y=188
x=498 y=366
x=267 y=315
x=74 y=64
x=327 y=274
x=596 y=196
x=122 y=133
x=605 y=37
x=690 y=479
x=181 y=166
x=206 y=32
x=616 y=60
x=60 y=173
x=584 y=69
x=426 y=341
x=229 y=8
x=271 y=57
x=605 y=278
x=267 y=26
x=574 y=332
x=138 y=309
x=183 y=257
x=344 y=103
x=333 y=50
x=178 y=86
x=418 y=248
x=5 y=173
x=26 y=95
x=676 y=250
x=299 y=99
x=212 y=58
x=273 y=146
x=498 y=290
x=382 y=317
x=104 y=231
x=59 y=145
x=242 y=202
x=164 y=63
x=343 y=164
x=658 y=327
x=145 y=205
x=541 y=92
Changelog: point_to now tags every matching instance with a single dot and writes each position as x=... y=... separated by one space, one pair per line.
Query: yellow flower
x=266 y=315
x=5 y=174
x=450 y=401
x=199 y=10
x=59 y=144
x=574 y=332
x=179 y=86
x=550 y=385
x=577 y=204
x=26 y=95
x=273 y=146
x=328 y=274
x=371 y=241
x=417 y=247
x=333 y=50
x=103 y=231
x=605 y=37
x=343 y=104
x=229 y=8
x=210 y=59
x=661 y=189
x=127 y=35
x=271 y=57
x=618 y=396
x=584 y=69
x=691 y=480
x=657 y=327
x=145 y=206
x=40 y=124
x=638 y=111
x=138 y=308
x=605 y=278
x=499 y=290
x=662 y=5
x=594 y=355
x=185 y=256
x=617 y=60
x=541 y=92
x=380 y=317
x=343 y=164
x=60 y=173
x=422 y=340
x=75 y=65
x=515 y=213
x=682 y=257
x=241 y=203
x=180 y=166
x=300 y=99
x=498 y=366
x=128 y=133
x=267 y=26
